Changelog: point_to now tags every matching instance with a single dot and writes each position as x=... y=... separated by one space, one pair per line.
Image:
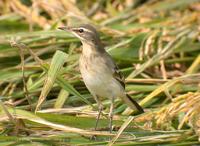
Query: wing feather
x=118 y=76
x=115 y=70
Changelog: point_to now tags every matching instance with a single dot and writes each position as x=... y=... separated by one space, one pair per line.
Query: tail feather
x=132 y=103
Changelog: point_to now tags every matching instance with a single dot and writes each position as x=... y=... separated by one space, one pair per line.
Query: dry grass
x=43 y=99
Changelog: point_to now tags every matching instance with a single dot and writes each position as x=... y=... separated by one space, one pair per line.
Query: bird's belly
x=101 y=83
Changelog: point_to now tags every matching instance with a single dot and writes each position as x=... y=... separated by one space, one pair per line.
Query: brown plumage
x=100 y=73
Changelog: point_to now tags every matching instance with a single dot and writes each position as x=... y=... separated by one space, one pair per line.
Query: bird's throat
x=91 y=49
x=88 y=49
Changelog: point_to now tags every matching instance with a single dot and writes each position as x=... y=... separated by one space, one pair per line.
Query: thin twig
x=26 y=92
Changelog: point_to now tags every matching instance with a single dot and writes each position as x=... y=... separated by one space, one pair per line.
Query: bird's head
x=86 y=33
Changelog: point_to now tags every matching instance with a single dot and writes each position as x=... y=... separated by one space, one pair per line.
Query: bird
x=100 y=73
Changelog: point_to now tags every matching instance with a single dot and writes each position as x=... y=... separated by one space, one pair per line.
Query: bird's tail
x=132 y=103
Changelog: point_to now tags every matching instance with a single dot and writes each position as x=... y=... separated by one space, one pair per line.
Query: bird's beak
x=72 y=30
x=65 y=28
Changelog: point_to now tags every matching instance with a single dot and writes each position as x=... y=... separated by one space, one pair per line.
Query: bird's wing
x=115 y=70
x=118 y=76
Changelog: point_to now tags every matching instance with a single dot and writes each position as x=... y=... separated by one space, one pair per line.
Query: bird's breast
x=93 y=68
x=98 y=77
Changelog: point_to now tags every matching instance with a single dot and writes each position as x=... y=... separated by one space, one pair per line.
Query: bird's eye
x=81 y=30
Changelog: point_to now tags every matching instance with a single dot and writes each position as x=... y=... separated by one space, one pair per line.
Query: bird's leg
x=100 y=107
x=111 y=114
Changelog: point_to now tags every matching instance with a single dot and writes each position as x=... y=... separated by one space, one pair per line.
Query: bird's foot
x=93 y=137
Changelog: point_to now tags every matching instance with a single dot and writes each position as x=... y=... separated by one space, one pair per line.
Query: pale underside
x=97 y=75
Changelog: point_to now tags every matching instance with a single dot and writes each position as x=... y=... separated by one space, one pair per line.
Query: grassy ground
x=156 y=44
